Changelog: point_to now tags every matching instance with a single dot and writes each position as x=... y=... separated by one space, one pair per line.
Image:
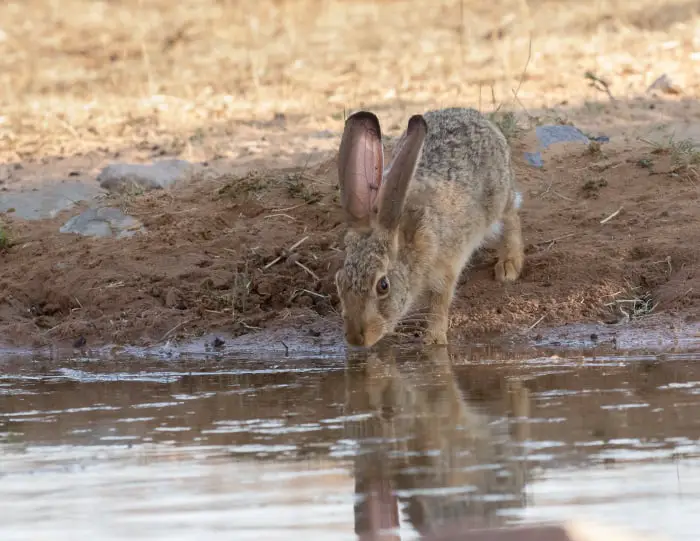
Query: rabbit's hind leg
x=511 y=253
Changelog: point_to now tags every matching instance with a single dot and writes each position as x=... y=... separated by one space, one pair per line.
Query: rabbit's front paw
x=508 y=269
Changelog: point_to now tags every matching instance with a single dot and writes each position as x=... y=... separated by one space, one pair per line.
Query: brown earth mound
x=611 y=233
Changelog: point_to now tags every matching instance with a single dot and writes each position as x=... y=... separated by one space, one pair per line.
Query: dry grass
x=684 y=156
x=631 y=303
x=80 y=75
x=4 y=237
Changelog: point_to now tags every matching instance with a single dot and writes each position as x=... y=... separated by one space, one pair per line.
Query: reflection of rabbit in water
x=428 y=446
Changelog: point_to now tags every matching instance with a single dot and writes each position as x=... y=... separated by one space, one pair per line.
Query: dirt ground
x=259 y=94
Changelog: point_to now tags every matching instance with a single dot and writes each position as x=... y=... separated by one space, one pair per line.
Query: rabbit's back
x=464 y=175
x=463 y=146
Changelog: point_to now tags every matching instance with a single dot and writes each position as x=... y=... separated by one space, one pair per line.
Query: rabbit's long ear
x=360 y=166
x=397 y=179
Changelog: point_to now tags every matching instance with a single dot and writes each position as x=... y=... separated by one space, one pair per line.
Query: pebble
x=161 y=175
x=103 y=222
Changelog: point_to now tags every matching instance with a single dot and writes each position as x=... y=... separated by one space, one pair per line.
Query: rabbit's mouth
x=365 y=334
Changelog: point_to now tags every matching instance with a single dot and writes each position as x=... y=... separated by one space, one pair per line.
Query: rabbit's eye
x=383 y=285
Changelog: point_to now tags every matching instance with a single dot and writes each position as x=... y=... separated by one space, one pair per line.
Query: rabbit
x=414 y=225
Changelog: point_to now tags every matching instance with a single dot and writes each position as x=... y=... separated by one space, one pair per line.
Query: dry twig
x=285 y=252
x=599 y=84
x=536 y=323
x=307 y=269
x=606 y=220
x=555 y=239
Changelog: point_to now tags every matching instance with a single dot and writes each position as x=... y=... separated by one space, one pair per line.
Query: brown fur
x=449 y=184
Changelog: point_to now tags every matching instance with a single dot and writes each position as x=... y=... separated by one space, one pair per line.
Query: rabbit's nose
x=355 y=335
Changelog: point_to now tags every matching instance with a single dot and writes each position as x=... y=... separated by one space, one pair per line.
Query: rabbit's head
x=374 y=283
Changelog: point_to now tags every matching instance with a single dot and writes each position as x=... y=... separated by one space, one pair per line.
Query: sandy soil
x=256 y=101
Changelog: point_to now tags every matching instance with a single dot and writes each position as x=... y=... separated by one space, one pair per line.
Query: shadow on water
x=384 y=445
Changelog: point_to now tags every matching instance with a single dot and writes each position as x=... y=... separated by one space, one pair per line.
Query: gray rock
x=120 y=177
x=552 y=134
x=103 y=222
x=47 y=200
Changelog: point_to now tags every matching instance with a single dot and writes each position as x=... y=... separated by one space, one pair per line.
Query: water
x=319 y=448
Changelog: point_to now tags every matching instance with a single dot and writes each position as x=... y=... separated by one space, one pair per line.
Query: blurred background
x=79 y=74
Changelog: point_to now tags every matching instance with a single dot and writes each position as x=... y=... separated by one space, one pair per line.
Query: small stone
x=173 y=299
x=222 y=280
x=79 y=342
x=103 y=222
x=303 y=301
x=664 y=84
x=550 y=134
x=264 y=288
x=161 y=175
x=206 y=284
x=48 y=199
x=292 y=259
x=218 y=342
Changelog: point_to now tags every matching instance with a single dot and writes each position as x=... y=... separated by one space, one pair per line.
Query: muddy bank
x=611 y=236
